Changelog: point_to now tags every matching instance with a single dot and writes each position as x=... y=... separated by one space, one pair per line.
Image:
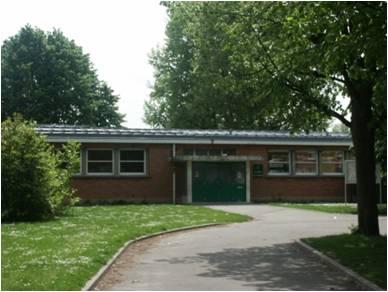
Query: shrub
x=35 y=176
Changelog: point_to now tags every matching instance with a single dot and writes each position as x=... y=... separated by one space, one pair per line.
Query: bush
x=35 y=176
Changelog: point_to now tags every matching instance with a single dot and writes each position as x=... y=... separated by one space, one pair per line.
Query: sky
x=118 y=35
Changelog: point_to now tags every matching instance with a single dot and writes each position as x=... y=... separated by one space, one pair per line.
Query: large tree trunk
x=363 y=135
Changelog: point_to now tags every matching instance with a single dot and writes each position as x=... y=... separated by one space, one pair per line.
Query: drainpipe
x=173 y=175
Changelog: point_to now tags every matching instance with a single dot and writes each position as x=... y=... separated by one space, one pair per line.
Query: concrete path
x=256 y=255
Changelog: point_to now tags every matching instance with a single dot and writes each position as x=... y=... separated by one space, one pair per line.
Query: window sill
x=332 y=174
x=306 y=174
x=279 y=174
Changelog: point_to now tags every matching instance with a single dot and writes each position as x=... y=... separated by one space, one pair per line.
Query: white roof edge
x=197 y=141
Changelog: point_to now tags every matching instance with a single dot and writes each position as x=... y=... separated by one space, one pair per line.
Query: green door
x=218 y=182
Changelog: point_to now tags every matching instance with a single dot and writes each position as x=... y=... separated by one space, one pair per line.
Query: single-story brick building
x=190 y=166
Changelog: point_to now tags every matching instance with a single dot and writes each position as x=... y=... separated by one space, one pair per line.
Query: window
x=201 y=152
x=331 y=162
x=209 y=152
x=214 y=152
x=188 y=151
x=99 y=161
x=132 y=162
x=279 y=163
x=305 y=162
x=228 y=152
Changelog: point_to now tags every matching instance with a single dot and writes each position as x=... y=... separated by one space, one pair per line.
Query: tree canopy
x=262 y=64
x=278 y=65
x=47 y=77
x=206 y=77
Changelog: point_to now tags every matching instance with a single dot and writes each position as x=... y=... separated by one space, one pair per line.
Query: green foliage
x=63 y=254
x=276 y=65
x=200 y=82
x=47 y=78
x=35 y=177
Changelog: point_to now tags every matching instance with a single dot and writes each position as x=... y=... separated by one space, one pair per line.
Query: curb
x=359 y=281
x=93 y=281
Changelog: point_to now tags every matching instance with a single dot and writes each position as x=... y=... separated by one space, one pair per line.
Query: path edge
x=93 y=281
x=360 y=281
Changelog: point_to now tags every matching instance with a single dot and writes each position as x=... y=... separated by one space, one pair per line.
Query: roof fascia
x=61 y=139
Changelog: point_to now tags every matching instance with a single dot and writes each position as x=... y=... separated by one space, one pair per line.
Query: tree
x=35 y=178
x=301 y=56
x=198 y=84
x=46 y=77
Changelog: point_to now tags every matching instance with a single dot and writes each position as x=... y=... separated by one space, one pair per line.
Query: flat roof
x=62 y=133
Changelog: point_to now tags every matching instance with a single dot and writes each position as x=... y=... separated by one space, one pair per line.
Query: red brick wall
x=155 y=187
x=297 y=189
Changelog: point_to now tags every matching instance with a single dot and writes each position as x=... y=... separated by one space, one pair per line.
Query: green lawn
x=63 y=254
x=365 y=255
x=331 y=207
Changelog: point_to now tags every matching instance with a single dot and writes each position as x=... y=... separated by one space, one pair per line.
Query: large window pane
x=278 y=157
x=132 y=167
x=331 y=162
x=305 y=162
x=303 y=168
x=100 y=161
x=132 y=161
x=306 y=156
x=100 y=155
x=279 y=168
x=279 y=163
x=331 y=168
x=133 y=155
x=332 y=156
x=100 y=167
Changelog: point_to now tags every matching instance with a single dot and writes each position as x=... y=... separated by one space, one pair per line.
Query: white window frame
x=306 y=173
x=144 y=162
x=331 y=173
x=289 y=163
x=99 y=173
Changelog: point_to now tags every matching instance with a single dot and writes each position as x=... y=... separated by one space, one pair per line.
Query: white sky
x=118 y=35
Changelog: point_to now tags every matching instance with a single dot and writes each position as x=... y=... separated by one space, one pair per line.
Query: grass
x=365 y=255
x=331 y=207
x=63 y=254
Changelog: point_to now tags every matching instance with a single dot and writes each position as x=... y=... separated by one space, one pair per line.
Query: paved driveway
x=256 y=255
